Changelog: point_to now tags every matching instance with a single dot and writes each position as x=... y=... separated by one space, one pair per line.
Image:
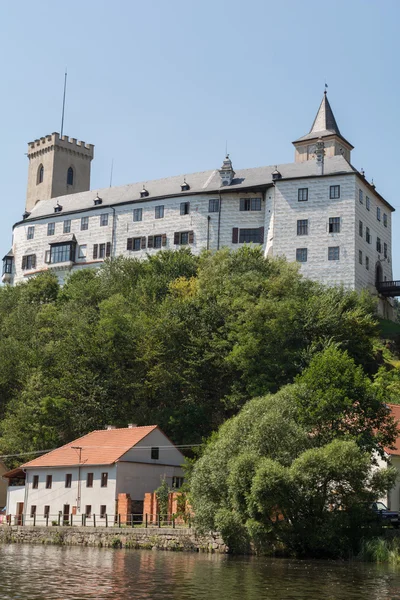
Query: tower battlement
x=54 y=140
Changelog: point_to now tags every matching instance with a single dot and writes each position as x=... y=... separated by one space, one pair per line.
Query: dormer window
x=276 y=174
x=98 y=200
x=58 y=208
x=185 y=187
x=144 y=193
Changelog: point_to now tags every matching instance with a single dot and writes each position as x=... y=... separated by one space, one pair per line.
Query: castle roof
x=324 y=124
x=205 y=182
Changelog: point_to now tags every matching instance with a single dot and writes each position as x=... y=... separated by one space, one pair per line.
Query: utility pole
x=78 y=499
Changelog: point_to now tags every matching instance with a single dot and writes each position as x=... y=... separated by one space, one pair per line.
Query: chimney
x=108 y=427
x=320 y=152
x=132 y=425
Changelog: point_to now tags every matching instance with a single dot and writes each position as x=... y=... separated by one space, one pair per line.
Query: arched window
x=70 y=176
x=40 y=174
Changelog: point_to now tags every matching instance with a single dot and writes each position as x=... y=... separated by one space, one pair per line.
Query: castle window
x=334 y=225
x=378 y=245
x=367 y=235
x=183 y=238
x=302 y=227
x=84 y=223
x=385 y=219
x=134 y=243
x=157 y=241
x=137 y=214
x=51 y=227
x=67 y=226
x=248 y=236
x=360 y=228
x=40 y=174
x=250 y=204
x=360 y=257
x=62 y=253
x=333 y=253
x=385 y=249
x=302 y=194
x=360 y=196
x=82 y=251
x=334 y=192
x=213 y=205
x=185 y=208
x=367 y=263
x=378 y=213
x=102 y=250
x=104 y=220
x=29 y=262
x=70 y=176
x=31 y=233
x=7 y=265
x=301 y=254
x=159 y=212
x=367 y=203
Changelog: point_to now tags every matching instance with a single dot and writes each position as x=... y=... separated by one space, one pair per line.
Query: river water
x=52 y=572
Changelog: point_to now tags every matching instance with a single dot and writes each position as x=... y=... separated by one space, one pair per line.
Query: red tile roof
x=101 y=447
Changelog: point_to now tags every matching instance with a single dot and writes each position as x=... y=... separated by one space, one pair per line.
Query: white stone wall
x=282 y=233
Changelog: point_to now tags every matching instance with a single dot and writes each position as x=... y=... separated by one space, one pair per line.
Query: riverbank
x=184 y=540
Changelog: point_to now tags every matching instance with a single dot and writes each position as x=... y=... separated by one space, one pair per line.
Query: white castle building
x=319 y=211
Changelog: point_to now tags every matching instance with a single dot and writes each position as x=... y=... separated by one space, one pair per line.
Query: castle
x=319 y=211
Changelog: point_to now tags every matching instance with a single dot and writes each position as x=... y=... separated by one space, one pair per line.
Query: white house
x=87 y=476
x=319 y=211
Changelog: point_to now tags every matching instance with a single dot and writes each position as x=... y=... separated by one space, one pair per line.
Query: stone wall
x=184 y=539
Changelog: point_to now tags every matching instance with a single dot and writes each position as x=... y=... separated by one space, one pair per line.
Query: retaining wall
x=110 y=537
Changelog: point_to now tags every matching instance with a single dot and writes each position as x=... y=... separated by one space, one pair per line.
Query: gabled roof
x=206 y=182
x=101 y=447
x=324 y=123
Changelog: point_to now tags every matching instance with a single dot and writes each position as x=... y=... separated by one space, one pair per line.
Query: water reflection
x=59 y=573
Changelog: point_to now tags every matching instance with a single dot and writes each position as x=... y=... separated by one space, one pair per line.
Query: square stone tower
x=57 y=166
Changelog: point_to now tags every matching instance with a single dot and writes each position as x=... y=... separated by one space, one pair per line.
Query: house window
x=82 y=251
x=378 y=245
x=29 y=262
x=385 y=219
x=104 y=220
x=378 y=213
x=134 y=243
x=157 y=241
x=40 y=174
x=248 y=236
x=360 y=228
x=84 y=223
x=35 y=482
x=334 y=225
x=385 y=253
x=67 y=226
x=89 y=480
x=31 y=233
x=334 y=192
x=367 y=203
x=88 y=511
x=68 y=480
x=367 y=263
x=250 y=204
x=155 y=453
x=301 y=254
x=185 y=208
x=33 y=510
x=213 y=205
x=103 y=511
x=49 y=482
x=104 y=479
x=367 y=235
x=333 y=253
x=360 y=196
x=137 y=214
x=177 y=482
x=70 y=176
x=159 y=212
x=183 y=238
x=51 y=227
x=61 y=253
x=46 y=511
x=302 y=194
x=360 y=257
x=302 y=227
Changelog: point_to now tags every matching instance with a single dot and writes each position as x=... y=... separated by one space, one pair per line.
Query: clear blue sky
x=159 y=85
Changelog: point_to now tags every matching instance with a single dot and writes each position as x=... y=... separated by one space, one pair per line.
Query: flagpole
x=63 y=106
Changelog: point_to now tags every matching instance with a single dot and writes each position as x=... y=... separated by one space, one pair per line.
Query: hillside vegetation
x=175 y=340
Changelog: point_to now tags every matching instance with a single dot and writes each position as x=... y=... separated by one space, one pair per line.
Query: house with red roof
x=95 y=477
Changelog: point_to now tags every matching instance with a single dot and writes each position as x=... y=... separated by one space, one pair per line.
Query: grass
x=381 y=550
